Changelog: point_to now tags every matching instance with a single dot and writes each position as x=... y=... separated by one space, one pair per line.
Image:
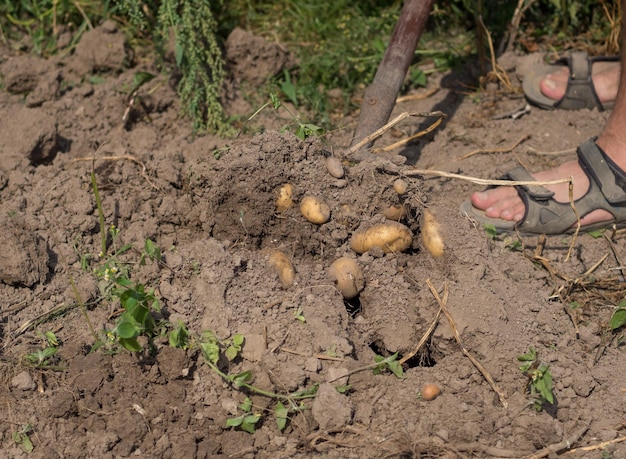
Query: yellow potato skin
x=390 y=236
x=431 y=238
x=284 y=201
x=315 y=210
x=284 y=268
x=395 y=212
x=348 y=277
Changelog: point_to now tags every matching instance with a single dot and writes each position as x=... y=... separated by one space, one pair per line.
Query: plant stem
x=103 y=233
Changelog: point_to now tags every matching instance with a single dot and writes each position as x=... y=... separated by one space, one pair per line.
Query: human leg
x=505 y=203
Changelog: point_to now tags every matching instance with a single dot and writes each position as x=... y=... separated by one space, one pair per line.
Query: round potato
x=430 y=234
x=284 y=268
x=390 y=236
x=348 y=277
x=284 y=201
x=400 y=186
x=315 y=210
x=334 y=167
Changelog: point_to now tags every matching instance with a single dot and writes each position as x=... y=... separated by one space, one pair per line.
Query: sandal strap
x=520 y=174
x=580 y=92
x=610 y=179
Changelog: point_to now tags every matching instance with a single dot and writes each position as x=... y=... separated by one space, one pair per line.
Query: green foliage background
x=338 y=43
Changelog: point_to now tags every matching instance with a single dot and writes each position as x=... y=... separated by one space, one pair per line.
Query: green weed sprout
x=247 y=421
x=45 y=358
x=539 y=378
x=22 y=437
x=388 y=363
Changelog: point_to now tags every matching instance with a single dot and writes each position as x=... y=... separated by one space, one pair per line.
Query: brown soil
x=214 y=217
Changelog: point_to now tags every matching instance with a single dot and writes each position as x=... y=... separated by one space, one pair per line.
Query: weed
x=247 y=420
x=44 y=358
x=539 y=378
x=388 y=363
x=22 y=437
x=299 y=315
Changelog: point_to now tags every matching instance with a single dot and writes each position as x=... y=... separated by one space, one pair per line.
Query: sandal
x=580 y=92
x=544 y=215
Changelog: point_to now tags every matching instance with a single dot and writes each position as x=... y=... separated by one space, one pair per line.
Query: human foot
x=574 y=82
x=505 y=207
x=605 y=77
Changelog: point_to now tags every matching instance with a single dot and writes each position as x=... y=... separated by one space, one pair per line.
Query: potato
x=348 y=277
x=395 y=212
x=389 y=236
x=430 y=392
x=430 y=234
x=400 y=186
x=315 y=210
x=334 y=167
x=283 y=267
x=283 y=201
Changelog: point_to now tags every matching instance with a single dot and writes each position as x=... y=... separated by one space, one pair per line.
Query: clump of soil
x=210 y=205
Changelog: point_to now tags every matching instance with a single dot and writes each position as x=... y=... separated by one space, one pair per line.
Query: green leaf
x=179 y=53
x=289 y=89
x=130 y=344
x=234 y=422
x=530 y=356
x=249 y=421
x=618 y=319
x=344 y=389
x=596 y=234
x=127 y=328
x=52 y=338
x=242 y=378
x=491 y=230
x=231 y=353
x=141 y=78
x=27 y=444
x=276 y=103
x=246 y=405
x=281 y=414
x=211 y=351
x=238 y=339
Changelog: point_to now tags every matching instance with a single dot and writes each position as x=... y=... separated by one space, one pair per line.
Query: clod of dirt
x=331 y=410
x=103 y=48
x=27 y=133
x=23 y=381
x=24 y=257
x=253 y=59
x=21 y=74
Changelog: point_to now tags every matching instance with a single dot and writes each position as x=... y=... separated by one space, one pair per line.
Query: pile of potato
x=390 y=236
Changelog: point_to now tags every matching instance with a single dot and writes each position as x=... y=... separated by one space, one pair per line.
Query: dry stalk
x=560 y=446
x=496 y=70
x=422 y=133
x=376 y=134
x=426 y=336
x=515 y=22
x=602 y=445
x=457 y=337
x=494 y=150
x=419 y=96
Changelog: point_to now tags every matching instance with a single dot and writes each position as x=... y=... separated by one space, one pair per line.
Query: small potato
x=430 y=392
x=283 y=267
x=334 y=167
x=400 y=186
x=395 y=212
x=348 y=277
x=390 y=236
x=284 y=201
x=430 y=234
x=315 y=210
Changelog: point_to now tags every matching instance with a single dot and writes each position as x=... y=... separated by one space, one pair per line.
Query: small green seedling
x=388 y=363
x=247 y=421
x=233 y=350
x=179 y=336
x=539 y=378
x=491 y=231
x=22 y=438
x=618 y=319
x=299 y=315
x=151 y=251
x=44 y=358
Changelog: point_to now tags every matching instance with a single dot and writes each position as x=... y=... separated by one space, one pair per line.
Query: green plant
x=539 y=379
x=22 y=438
x=618 y=318
x=45 y=358
x=388 y=363
x=247 y=420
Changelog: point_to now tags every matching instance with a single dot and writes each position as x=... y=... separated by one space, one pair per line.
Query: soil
x=209 y=203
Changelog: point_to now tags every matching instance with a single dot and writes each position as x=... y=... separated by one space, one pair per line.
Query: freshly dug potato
x=430 y=392
x=283 y=267
x=315 y=210
x=390 y=236
x=348 y=277
x=284 y=201
x=334 y=167
x=400 y=186
x=430 y=234
x=395 y=212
